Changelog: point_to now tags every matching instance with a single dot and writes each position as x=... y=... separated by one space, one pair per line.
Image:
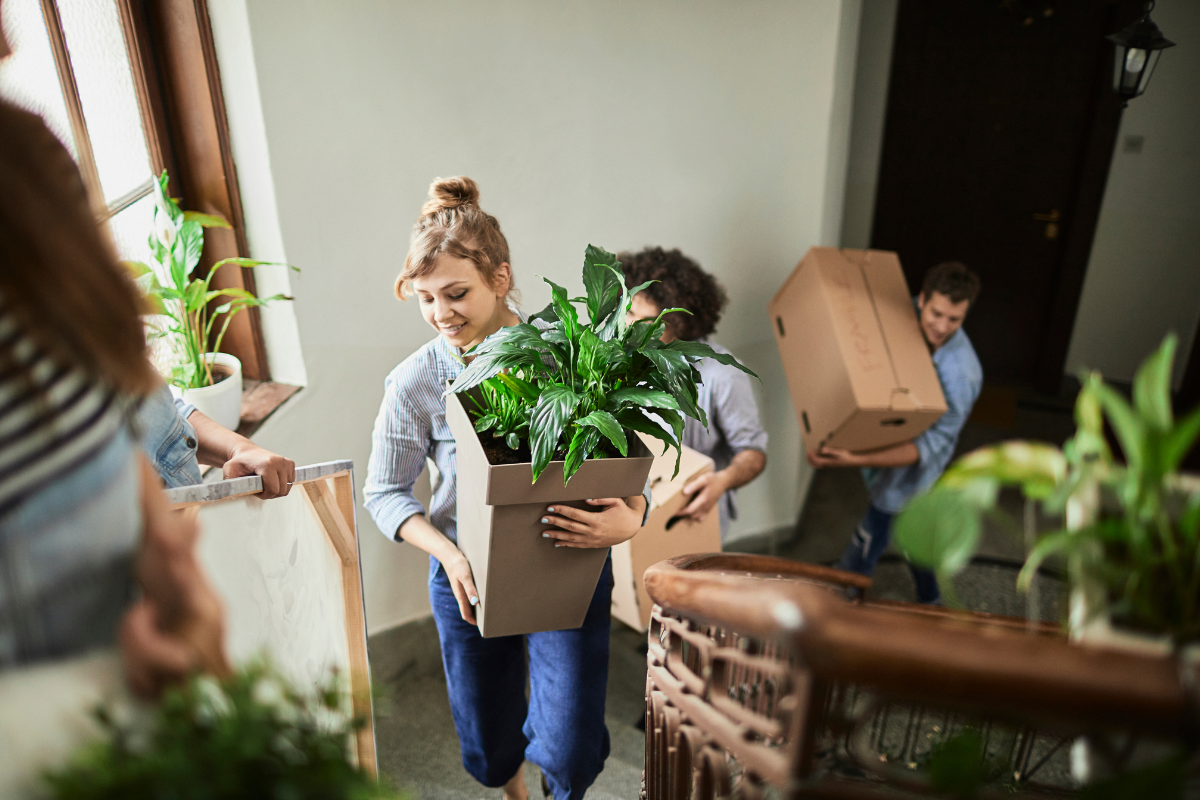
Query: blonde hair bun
x=447 y=193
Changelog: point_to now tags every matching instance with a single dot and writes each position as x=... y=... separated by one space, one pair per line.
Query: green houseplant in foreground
x=1130 y=533
x=573 y=388
x=251 y=735
x=176 y=243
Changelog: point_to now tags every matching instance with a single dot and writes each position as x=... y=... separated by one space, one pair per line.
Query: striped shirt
x=411 y=427
x=52 y=418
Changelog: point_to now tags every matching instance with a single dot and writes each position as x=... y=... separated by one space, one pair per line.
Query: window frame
x=177 y=81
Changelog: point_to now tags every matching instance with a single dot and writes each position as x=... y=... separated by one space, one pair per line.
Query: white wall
x=877 y=30
x=702 y=125
x=1143 y=278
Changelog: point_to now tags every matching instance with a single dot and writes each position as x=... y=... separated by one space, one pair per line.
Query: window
x=131 y=88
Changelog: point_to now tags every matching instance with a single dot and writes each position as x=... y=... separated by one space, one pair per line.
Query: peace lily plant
x=572 y=388
x=176 y=243
x=1129 y=532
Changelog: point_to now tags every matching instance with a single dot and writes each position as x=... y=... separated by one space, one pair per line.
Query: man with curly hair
x=894 y=474
x=735 y=439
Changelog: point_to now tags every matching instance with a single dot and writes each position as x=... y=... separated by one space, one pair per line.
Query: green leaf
x=513 y=441
x=1047 y=545
x=137 y=269
x=604 y=283
x=1152 y=386
x=486 y=422
x=1131 y=433
x=607 y=424
x=191 y=238
x=697 y=350
x=1180 y=440
x=583 y=442
x=640 y=396
x=675 y=375
x=563 y=309
x=939 y=530
x=636 y=420
x=524 y=389
x=550 y=416
x=193 y=298
x=1189 y=520
x=206 y=220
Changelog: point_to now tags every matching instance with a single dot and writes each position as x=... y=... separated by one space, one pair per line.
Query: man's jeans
x=867 y=544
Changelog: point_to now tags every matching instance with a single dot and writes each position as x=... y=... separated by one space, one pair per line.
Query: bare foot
x=515 y=788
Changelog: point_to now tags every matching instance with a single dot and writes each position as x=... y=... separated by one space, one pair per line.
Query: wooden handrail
x=962 y=661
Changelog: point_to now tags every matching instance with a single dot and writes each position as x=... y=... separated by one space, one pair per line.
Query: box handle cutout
x=673 y=521
x=894 y=422
x=779 y=324
x=804 y=417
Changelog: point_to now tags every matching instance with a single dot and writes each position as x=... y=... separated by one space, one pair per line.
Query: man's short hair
x=953 y=279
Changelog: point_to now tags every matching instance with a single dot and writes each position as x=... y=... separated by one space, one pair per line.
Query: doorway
x=999 y=130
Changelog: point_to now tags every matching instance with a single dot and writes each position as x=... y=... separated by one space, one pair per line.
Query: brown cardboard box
x=663 y=536
x=525 y=583
x=857 y=365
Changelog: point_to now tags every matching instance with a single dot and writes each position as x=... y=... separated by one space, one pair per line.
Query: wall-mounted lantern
x=1138 y=49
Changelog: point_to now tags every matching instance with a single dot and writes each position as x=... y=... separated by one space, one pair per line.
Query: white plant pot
x=221 y=402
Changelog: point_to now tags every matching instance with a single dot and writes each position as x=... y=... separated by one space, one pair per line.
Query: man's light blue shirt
x=961 y=376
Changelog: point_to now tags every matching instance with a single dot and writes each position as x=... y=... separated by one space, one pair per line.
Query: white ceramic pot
x=221 y=402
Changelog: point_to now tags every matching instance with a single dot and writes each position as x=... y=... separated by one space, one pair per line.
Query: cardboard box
x=859 y=371
x=664 y=535
x=525 y=583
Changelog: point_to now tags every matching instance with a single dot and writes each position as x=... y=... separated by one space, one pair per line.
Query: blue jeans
x=561 y=728
x=867 y=544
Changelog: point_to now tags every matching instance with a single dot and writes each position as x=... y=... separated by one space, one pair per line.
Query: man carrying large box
x=894 y=474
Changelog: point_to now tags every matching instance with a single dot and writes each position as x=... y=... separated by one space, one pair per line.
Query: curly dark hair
x=953 y=279
x=681 y=284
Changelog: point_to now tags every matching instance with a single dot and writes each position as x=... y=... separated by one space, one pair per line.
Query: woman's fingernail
x=474 y=600
x=545 y=521
x=551 y=510
x=545 y=536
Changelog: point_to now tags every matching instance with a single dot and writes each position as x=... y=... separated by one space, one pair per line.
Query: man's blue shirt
x=961 y=376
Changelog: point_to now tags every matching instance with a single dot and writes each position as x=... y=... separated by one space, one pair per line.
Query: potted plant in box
x=556 y=399
x=1129 y=532
x=209 y=379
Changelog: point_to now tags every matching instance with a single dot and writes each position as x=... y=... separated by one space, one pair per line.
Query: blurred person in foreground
x=894 y=474
x=734 y=439
x=84 y=522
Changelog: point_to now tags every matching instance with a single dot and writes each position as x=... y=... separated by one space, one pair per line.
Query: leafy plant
x=176 y=243
x=584 y=384
x=506 y=407
x=251 y=735
x=1142 y=548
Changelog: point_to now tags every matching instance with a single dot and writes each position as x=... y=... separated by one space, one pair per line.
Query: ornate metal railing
x=764 y=681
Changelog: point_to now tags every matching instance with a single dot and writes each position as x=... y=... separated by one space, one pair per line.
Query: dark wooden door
x=999 y=131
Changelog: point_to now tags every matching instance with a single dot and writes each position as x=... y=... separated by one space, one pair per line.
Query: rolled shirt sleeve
x=961 y=377
x=735 y=412
x=183 y=407
x=399 y=445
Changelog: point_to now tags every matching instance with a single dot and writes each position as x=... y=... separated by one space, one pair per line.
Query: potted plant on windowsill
x=1129 y=532
x=554 y=400
x=209 y=379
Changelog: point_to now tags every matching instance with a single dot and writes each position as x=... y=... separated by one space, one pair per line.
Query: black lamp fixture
x=1138 y=49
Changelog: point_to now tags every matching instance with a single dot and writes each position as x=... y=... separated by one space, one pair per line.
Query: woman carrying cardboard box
x=734 y=439
x=458 y=268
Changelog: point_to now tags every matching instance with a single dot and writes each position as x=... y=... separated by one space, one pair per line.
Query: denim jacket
x=168 y=438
